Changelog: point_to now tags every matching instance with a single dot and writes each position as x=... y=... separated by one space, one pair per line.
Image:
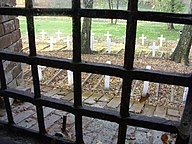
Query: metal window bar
x=127 y=73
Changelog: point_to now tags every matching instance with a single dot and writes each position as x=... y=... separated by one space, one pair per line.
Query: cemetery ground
x=147 y=98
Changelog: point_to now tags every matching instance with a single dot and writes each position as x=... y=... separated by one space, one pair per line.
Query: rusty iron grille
x=127 y=72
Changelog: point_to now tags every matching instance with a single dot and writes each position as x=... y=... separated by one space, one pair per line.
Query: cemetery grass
x=151 y=30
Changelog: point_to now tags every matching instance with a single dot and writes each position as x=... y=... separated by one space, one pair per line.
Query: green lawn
x=152 y=30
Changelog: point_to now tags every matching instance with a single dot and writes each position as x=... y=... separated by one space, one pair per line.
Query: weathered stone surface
x=105 y=98
x=16 y=70
x=5 y=41
x=148 y=110
x=12 y=84
x=114 y=103
x=2 y=32
x=172 y=112
x=69 y=96
x=9 y=77
x=160 y=111
x=16 y=23
x=92 y=99
x=52 y=92
x=46 y=89
x=51 y=119
x=9 y=26
x=27 y=123
x=137 y=107
x=23 y=115
x=15 y=35
x=86 y=95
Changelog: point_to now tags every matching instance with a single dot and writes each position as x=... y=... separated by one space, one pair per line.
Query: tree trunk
x=181 y=52
x=170 y=26
x=110 y=2
x=86 y=30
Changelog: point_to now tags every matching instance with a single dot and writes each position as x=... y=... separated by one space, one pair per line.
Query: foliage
x=169 y=5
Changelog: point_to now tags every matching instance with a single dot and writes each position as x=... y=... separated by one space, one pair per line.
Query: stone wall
x=10 y=40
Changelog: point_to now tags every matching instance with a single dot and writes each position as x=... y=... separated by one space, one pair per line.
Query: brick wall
x=10 y=40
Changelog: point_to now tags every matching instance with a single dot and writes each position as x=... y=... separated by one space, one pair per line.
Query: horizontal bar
x=17 y=94
x=99 y=68
x=36 y=11
x=45 y=138
x=165 y=17
x=101 y=13
x=162 y=77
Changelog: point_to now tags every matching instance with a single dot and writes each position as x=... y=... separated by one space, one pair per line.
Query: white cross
x=51 y=42
x=39 y=68
x=108 y=36
x=43 y=33
x=92 y=41
x=146 y=85
x=58 y=33
x=143 y=39
x=70 y=76
x=161 y=40
x=109 y=45
x=124 y=39
x=185 y=93
x=107 y=79
x=68 y=42
x=154 y=48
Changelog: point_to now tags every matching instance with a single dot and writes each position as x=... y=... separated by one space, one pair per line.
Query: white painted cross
x=161 y=40
x=68 y=42
x=185 y=93
x=43 y=33
x=146 y=84
x=154 y=48
x=70 y=76
x=142 y=39
x=92 y=41
x=51 y=42
x=107 y=79
x=124 y=39
x=108 y=41
x=108 y=35
x=39 y=68
x=58 y=33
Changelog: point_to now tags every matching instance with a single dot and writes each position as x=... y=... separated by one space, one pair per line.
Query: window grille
x=127 y=72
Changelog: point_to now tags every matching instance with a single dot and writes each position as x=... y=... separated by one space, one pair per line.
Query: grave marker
x=51 y=42
x=70 y=76
x=39 y=68
x=146 y=85
x=68 y=42
x=92 y=41
x=43 y=33
x=161 y=40
x=154 y=48
x=185 y=93
x=107 y=79
x=124 y=39
x=108 y=41
x=142 y=39
x=58 y=33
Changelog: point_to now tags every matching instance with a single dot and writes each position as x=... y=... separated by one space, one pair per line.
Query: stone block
x=2 y=32
x=15 y=35
x=17 y=26
x=12 y=84
x=8 y=77
x=10 y=66
x=9 y=26
x=5 y=41
x=19 y=78
x=4 y=18
x=16 y=71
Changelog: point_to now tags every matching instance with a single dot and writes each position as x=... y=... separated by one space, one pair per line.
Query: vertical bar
x=6 y=99
x=76 y=4
x=128 y=64
x=32 y=48
x=186 y=120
